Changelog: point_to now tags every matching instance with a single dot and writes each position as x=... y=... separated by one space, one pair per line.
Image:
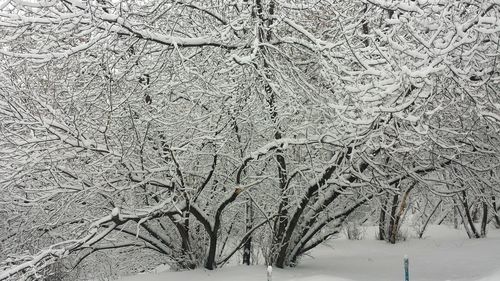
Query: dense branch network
x=192 y=130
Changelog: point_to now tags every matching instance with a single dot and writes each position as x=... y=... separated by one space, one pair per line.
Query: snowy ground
x=444 y=254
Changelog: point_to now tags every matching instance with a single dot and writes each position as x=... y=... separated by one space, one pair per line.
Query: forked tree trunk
x=464 y=222
x=468 y=216
x=264 y=35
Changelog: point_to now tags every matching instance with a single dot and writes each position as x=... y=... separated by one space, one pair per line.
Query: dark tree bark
x=365 y=26
x=400 y=214
x=468 y=215
x=247 y=247
x=392 y=220
x=484 y=221
x=475 y=213
x=282 y=254
x=381 y=221
x=495 y=211
x=265 y=35
x=424 y=227
x=210 y=262
x=455 y=216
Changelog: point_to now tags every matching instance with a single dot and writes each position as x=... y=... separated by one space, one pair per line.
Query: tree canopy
x=189 y=129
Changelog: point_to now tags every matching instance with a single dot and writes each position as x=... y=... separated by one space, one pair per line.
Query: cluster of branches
x=196 y=129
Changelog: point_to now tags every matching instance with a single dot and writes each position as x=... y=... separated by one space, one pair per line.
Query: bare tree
x=161 y=124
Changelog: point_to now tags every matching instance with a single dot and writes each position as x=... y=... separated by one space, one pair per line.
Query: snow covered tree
x=159 y=125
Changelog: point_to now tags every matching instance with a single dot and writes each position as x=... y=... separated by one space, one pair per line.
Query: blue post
x=407 y=271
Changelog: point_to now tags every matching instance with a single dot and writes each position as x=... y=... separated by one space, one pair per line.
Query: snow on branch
x=30 y=265
x=26 y=266
x=276 y=144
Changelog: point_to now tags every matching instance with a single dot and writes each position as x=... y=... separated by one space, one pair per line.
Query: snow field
x=444 y=254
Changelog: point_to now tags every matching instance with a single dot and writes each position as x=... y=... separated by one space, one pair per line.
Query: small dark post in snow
x=269 y=273
x=407 y=271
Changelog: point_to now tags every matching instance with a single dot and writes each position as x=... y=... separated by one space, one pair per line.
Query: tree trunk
x=264 y=35
x=495 y=211
x=400 y=214
x=381 y=221
x=365 y=26
x=455 y=216
x=468 y=216
x=475 y=213
x=392 y=220
x=484 y=221
x=442 y=218
x=421 y=232
x=210 y=262
x=247 y=248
